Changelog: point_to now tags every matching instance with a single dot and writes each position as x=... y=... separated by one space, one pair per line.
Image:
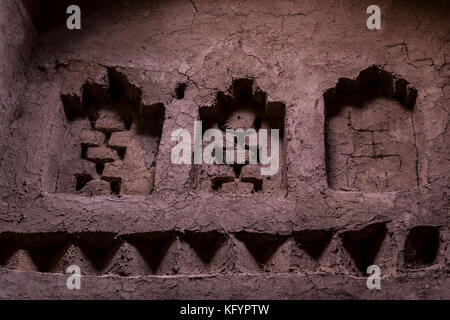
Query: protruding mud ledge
x=26 y=285
x=206 y=212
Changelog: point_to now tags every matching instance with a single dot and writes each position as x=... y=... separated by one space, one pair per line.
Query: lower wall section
x=24 y=285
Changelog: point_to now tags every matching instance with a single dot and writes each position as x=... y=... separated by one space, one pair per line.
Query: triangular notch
x=262 y=246
x=205 y=244
x=314 y=242
x=363 y=245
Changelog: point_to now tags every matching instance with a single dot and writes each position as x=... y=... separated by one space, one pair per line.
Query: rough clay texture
x=86 y=177
x=247 y=109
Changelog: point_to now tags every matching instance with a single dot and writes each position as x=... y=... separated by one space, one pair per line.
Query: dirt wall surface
x=86 y=176
x=16 y=40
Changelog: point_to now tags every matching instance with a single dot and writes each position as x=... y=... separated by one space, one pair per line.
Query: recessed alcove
x=111 y=141
x=242 y=107
x=421 y=247
x=370 y=135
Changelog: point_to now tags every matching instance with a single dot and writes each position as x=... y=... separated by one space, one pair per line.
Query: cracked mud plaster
x=372 y=149
x=86 y=177
x=370 y=133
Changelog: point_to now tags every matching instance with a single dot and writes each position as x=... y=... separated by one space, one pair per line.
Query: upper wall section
x=49 y=14
x=294 y=51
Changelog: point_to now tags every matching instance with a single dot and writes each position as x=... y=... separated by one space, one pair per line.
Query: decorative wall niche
x=421 y=247
x=369 y=133
x=243 y=107
x=112 y=140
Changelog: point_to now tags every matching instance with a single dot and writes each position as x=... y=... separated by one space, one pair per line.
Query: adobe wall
x=87 y=177
x=16 y=40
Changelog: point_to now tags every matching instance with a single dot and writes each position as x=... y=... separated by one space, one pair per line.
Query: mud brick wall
x=85 y=171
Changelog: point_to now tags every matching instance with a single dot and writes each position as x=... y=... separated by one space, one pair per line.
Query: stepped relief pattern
x=244 y=107
x=112 y=141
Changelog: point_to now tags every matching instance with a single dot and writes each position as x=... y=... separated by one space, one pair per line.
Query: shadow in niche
x=9 y=244
x=120 y=97
x=245 y=109
x=180 y=91
x=314 y=242
x=152 y=246
x=370 y=84
x=99 y=247
x=363 y=245
x=46 y=250
x=205 y=244
x=421 y=246
x=262 y=246
x=34 y=251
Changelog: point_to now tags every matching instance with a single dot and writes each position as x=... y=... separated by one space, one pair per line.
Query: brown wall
x=363 y=180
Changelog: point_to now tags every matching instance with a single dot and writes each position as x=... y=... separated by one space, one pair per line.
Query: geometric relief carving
x=112 y=140
x=242 y=108
x=370 y=134
x=160 y=252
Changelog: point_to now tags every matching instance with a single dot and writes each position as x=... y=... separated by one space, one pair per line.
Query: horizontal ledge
x=207 y=212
